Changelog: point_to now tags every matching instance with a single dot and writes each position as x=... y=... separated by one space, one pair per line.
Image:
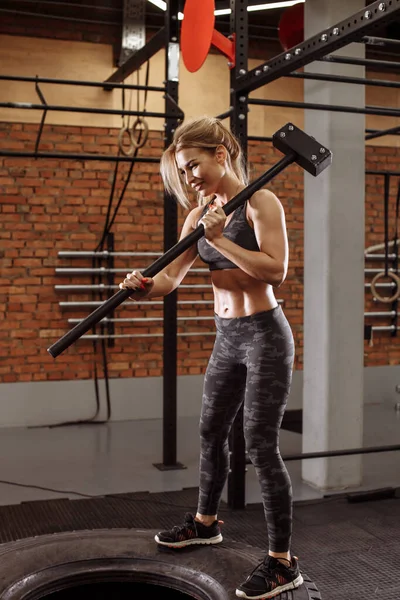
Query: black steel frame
x=239 y=126
x=170 y=343
x=349 y=30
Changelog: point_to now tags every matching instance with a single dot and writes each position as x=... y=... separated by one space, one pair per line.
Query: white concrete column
x=334 y=265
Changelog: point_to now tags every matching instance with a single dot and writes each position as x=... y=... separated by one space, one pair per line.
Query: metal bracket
x=133 y=29
x=156 y=43
x=43 y=101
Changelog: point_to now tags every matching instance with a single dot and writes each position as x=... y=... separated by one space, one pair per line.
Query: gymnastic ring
x=145 y=132
x=126 y=151
x=386 y=299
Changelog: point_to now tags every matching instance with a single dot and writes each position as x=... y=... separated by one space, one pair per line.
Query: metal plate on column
x=173 y=61
x=133 y=29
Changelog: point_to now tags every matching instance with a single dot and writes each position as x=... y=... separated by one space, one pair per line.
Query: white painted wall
x=48 y=403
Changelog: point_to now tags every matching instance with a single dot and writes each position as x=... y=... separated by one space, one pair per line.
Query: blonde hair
x=206 y=133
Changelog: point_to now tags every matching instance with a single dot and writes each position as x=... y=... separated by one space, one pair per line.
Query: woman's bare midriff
x=236 y=294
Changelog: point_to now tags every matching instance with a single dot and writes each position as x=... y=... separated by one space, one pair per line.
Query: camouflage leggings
x=252 y=363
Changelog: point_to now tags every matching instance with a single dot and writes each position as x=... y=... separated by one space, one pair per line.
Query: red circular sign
x=197 y=32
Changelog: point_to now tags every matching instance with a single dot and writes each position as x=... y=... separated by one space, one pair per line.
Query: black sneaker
x=191 y=532
x=270 y=578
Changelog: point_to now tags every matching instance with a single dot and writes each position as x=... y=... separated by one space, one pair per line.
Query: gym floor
x=350 y=549
x=118 y=457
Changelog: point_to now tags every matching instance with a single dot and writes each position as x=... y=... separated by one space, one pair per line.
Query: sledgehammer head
x=310 y=154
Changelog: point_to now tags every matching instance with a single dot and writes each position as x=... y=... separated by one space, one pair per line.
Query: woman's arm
x=268 y=218
x=169 y=278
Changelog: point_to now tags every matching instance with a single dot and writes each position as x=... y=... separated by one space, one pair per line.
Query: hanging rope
x=139 y=132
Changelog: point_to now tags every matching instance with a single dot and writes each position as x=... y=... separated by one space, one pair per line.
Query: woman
x=252 y=360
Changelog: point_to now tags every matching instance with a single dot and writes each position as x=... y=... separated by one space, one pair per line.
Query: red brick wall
x=52 y=205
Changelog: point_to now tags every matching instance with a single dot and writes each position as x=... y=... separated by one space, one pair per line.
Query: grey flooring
x=118 y=457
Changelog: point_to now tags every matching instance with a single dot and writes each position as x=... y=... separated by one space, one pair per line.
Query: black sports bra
x=238 y=231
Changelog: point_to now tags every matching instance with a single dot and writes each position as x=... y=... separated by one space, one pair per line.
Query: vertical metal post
x=110 y=281
x=238 y=123
x=170 y=239
x=239 y=101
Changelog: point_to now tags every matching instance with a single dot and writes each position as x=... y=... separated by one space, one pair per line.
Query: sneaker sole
x=283 y=588
x=202 y=541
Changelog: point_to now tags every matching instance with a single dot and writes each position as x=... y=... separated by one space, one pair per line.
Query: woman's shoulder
x=262 y=196
x=265 y=206
x=264 y=199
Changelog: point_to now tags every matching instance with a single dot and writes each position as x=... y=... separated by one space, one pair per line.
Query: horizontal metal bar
x=143 y=320
x=102 y=254
x=94 y=303
x=375 y=271
x=101 y=287
x=81 y=109
x=378 y=131
x=368 y=110
x=345 y=79
x=379 y=257
x=259 y=138
x=106 y=86
x=382 y=133
x=378 y=41
x=390 y=313
x=381 y=285
x=105 y=270
x=141 y=335
x=76 y=156
x=330 y=453
x=385 y=328
x=375 y=65
x=377 y=172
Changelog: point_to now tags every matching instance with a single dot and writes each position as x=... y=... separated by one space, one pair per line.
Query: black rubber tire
x=32 y=568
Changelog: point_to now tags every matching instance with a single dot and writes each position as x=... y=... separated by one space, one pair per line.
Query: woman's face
x=200 y=169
